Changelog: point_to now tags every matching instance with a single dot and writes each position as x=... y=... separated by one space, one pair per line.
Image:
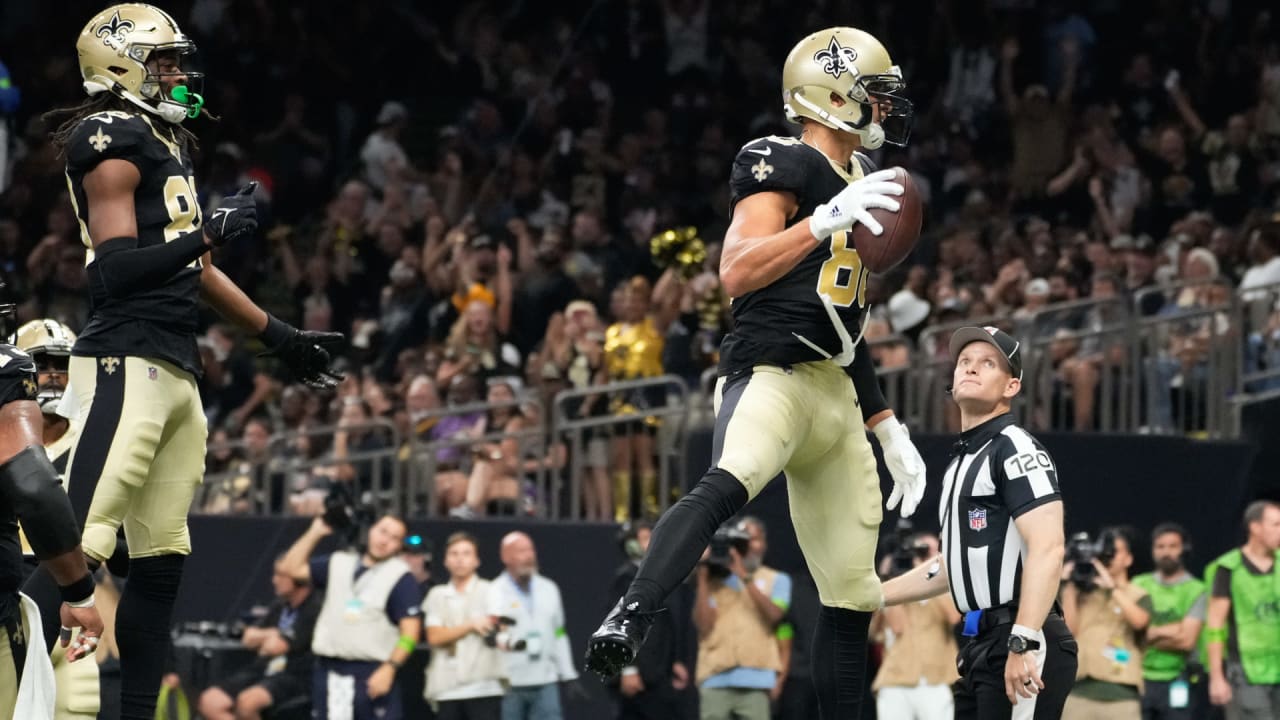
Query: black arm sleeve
x=30 y=485
x=123 y=268
x=863 y=372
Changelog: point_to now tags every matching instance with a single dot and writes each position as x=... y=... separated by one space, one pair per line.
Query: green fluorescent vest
x=1171 y=604
x=1255 y=608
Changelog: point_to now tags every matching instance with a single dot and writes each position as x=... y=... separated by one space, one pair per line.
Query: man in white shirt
x=1264 y=257
x=383 y=156
x=466 y=678
x=538 y=655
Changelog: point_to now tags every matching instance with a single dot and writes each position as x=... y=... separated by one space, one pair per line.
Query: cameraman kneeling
x=738 y=610
x=369 y=622
x=1108 y=615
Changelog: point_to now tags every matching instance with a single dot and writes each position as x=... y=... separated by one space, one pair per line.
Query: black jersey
x=160 y=322
x=17 y=375
x=787 y=322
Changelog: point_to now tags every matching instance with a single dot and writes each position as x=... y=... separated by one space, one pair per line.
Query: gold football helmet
x=114 y=49
x=853 y=65
x=49 y=343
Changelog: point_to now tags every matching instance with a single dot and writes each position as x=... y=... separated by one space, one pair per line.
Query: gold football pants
x=805 y=421
x=141 y=450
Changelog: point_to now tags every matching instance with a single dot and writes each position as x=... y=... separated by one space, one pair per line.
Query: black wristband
x=277 y=332
x=77 y=591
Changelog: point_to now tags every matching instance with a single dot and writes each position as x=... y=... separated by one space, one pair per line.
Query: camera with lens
x=1081 y=551
x=344 y=514
x=500 y=636
x=728 y=536
x=908 y=548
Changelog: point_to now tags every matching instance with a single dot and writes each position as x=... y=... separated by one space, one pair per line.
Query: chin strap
x=872 y=136
x=167 y=111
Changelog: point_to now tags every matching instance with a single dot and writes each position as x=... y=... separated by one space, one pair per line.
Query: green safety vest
x=1170 y=604
x=1255 y=608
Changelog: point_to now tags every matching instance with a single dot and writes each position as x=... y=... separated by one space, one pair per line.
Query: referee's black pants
x=980 y=692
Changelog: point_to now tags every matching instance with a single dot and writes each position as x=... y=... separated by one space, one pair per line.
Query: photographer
x=537 y=654
x=1108 y=615
x=369 y=622
x=282 y=640
x=1170 y=668
x=739 y=607
x=915 y=677
x=466 y=678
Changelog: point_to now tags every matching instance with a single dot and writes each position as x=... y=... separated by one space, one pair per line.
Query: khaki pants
x=141 y=450
x=733 y=704
x=1079 y=708
x=806 y=421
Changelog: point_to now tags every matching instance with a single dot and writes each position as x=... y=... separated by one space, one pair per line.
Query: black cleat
x=615 y=644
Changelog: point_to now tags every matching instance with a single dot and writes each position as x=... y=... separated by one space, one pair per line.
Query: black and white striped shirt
x=999 y=472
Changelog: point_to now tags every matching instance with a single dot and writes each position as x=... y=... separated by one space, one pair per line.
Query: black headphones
x=629 y=538
x=1181 y=532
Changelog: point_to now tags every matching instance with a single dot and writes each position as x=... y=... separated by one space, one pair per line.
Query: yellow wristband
x=406 y=643
x=1216 y=635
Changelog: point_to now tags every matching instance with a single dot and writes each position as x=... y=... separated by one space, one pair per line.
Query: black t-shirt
x=540 y=294
x=296 y=626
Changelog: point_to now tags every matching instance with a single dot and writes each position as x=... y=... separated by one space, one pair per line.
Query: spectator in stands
x=369 y=622
x=241 y=485
x=538 y=658
x=385 y=160
x=577 y=355
x=452 y=430
x=1039 y=124
x=739 y=612
x=467 y=677
x=281 y=674
x=475 y=346
x=1264 y=260
x=497 y=466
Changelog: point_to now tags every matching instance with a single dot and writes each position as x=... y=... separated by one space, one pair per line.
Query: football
x=881 y=253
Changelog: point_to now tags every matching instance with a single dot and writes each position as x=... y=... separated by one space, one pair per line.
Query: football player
x=134 y=367
x=30 y=492
x=795 y=390
x=49 y=343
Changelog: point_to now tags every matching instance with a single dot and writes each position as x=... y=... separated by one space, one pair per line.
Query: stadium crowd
x=470 y=197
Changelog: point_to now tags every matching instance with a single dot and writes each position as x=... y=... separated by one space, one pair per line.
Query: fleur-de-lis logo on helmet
x=835 y=58
x=113 y=32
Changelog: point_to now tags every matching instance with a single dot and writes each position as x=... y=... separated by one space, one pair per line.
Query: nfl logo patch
x=152 y=374
x=977 y=518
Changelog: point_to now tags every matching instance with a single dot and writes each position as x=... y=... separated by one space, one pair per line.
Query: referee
x=1002 y=545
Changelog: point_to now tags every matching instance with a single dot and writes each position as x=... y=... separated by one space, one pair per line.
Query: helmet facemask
x=160 y=63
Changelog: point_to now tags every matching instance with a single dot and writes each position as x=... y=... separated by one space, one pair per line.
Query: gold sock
x=649 y=493
x=622 y=496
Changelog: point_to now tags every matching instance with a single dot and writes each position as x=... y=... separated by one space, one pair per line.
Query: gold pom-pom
x=680 y=248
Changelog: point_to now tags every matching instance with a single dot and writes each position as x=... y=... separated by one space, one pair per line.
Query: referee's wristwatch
x=1019 y=644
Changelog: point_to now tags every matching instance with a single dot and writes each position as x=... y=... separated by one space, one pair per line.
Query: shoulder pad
x=772 y=163
x=112 y=134
x=17 y=375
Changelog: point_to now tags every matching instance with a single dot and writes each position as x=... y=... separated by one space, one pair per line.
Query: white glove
x=904 y=463
x=850 y=205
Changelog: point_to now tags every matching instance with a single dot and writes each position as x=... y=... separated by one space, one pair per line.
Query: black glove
x=306 y=353
x=235 y=218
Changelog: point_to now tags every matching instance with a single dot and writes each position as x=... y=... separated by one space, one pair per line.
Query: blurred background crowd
x=469 y=190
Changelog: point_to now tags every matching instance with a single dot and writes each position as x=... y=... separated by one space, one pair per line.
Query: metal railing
x=1087 y=365
x=670 y=438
